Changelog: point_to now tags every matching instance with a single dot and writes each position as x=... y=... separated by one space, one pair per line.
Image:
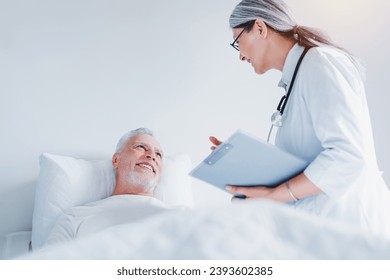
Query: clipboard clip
x=218 y=153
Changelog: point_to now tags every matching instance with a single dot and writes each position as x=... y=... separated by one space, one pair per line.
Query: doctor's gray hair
x=122 y=142
x=277 y=16
x=274 y=13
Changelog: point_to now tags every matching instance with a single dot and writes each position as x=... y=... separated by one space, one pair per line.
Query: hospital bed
x=243 y=230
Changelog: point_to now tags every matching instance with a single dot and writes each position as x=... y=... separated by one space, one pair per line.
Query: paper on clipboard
x=244 y=160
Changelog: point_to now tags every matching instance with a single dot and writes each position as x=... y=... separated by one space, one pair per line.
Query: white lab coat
x=327 y=123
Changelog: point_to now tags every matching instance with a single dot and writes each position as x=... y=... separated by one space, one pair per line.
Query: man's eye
x=159 y=155
x=141 y=147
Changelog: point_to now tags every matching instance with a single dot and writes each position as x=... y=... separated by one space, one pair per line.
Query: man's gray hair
x=122 y=142
x=274 y=13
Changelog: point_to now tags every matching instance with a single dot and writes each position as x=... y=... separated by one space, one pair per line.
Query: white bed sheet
x=244 y=230
x=15 y=244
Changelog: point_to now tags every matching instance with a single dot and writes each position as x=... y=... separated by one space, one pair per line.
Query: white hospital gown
x=327 y=123
x=100 y=215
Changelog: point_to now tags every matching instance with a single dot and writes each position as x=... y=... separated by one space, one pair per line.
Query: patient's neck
x=121 y=189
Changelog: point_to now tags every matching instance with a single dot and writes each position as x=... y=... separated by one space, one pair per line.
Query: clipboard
x=245 y=160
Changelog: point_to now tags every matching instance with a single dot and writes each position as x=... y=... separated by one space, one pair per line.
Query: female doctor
x=323 y=118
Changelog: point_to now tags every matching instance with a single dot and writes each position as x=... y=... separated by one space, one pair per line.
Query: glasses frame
x=235 y=44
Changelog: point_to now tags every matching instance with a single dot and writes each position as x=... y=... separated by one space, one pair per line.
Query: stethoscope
x=277 y=118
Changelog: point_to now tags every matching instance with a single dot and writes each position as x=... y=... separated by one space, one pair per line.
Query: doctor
x=323 y=118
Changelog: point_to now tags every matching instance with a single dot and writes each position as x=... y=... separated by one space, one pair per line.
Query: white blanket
x=244 y=230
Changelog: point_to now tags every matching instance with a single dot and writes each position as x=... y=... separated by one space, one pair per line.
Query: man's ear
x=115 y=160
x=261 y=27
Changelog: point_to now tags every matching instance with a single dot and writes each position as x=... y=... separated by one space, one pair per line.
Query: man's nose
x=150 y=155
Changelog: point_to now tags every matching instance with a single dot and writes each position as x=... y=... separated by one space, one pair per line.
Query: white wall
x=76 y=74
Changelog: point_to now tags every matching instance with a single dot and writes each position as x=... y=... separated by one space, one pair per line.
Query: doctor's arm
x=294 y=189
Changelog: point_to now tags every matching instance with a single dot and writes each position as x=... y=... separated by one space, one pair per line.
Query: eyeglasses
x=235 y=42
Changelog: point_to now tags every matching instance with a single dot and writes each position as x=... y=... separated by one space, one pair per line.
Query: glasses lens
x=235 y=42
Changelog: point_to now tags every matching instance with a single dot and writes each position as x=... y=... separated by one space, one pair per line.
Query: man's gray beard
x=147 y=184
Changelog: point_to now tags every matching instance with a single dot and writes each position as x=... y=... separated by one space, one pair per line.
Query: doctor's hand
x=250 y=192
x=215 y=142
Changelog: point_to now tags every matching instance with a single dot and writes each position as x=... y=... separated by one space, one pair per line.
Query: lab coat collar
x=289 y=65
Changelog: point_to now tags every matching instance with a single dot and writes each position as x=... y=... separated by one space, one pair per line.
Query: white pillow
x=65 y=182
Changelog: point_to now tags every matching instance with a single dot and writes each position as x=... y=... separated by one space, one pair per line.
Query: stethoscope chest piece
x=277 y=119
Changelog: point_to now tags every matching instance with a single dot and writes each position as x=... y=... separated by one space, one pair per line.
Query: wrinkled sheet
x=243 y=230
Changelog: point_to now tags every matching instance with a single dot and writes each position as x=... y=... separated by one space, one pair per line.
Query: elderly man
x=138 y=163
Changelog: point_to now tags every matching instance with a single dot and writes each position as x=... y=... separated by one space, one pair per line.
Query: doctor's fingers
x=215 y=141
x=249 y=192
